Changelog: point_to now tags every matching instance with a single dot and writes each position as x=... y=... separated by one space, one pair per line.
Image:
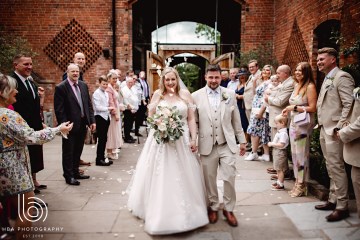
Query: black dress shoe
x=337 y=215
x=41 y=186
x=129 y=140
x=37 y=191
x=81 y=176
x=38 y=204
x=326 y=206
x=72 y=181
x=138 y=135
x=102 y=163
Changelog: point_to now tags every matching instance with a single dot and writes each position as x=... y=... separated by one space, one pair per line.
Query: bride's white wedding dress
x=167 y=189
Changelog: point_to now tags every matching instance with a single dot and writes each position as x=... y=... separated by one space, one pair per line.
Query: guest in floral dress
x=15 y=171
x=302 y=99
x=259 y=128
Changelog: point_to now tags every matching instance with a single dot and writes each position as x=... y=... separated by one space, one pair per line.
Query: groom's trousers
x=222 y=157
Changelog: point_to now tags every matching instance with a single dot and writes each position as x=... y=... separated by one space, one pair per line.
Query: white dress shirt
x=130 y=98
x=213 y=96
x=23 y=81
x=101 y=103
x=233 y=84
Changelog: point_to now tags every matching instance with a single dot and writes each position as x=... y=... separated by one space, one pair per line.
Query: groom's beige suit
x=218 y=127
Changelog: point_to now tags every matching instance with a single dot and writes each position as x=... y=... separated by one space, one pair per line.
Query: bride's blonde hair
x=162 y=79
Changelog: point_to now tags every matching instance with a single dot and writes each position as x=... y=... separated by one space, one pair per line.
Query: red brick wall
x=40 y=21
x=257 y=23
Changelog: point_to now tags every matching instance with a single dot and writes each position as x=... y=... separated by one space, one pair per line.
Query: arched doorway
x=224 y=15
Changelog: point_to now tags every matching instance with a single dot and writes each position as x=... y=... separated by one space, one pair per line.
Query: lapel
x=69 y=89
x=22 y=88
x=206 y=103
x=222 y=104
x=324 y=89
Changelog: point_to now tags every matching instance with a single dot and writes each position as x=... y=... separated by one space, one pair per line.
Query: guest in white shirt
x=234 y=82
x=132 y=105
x=102 y=118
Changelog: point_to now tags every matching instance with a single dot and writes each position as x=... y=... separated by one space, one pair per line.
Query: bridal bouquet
x=167 y=124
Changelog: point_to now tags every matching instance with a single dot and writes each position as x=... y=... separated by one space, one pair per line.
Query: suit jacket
x=350 y=135
x=280 y=99
x=335 y=101
x=248 y=91
x=230 y=119
x=142 y=88
x=67 y=107
x=26 y=105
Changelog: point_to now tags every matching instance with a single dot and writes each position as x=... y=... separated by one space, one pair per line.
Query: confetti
x=131 y=236
x=116 y=235
x=266 y=214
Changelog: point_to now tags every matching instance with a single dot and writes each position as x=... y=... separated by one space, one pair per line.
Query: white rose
x=162 y=127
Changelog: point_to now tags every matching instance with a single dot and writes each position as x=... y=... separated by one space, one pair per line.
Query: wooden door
x=154 y=64
x=226 y=61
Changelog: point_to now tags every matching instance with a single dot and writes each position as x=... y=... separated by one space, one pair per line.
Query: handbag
x=90 y=137
x=302 y=119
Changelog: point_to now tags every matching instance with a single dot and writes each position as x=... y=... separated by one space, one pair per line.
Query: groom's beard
x=213 y=86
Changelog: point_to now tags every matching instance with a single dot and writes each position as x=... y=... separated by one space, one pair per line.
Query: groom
x=219 y=122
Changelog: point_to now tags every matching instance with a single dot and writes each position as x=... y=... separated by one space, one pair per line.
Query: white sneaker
x=265 y=157
x=252 y=156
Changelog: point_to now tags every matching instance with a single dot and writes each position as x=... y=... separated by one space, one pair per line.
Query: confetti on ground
x=247 y=219
x=102 y=193
x=93 y=178
x=123 y=192
x=105 y=172
x=119 y=180
x=131 y=236
x=107 y=191
x=266 y=214
x=116 y=235
x=242 y=214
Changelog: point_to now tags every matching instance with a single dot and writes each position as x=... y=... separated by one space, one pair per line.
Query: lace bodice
x=180 y=105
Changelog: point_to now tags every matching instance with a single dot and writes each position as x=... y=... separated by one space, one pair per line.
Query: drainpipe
x=114 y=32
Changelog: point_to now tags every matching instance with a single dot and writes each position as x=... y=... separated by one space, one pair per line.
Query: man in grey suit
x=219 y=123
x=333 y=108
x=350 y=136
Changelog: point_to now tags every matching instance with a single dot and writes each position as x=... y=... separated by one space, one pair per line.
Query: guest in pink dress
x=114 y=140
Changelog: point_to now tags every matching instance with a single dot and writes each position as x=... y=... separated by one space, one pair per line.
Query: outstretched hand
x=66 y=127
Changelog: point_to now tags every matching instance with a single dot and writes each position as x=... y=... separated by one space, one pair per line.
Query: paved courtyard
x=97 y=208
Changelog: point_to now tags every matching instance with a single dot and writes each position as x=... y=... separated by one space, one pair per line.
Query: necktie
x=29 y=87
x=145 y=88
x=78 y=96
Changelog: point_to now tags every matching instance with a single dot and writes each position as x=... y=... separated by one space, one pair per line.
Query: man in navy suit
x=72 y=103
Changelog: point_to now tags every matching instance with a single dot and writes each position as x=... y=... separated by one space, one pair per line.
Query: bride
x=167 y=190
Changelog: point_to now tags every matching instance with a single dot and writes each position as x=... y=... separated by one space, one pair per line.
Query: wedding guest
x=131 y=103
x=279 y=144
x=335 y=100
x=259 y=128
x=141 y=112
x=249 y=86
x=350 y=136
x=303 y=99
x=102 y=120
x=242 y=75
x=72 y=103
x=17 y=185
x=28 y=105
x=114 y=138
x=224 y=78
x=234 y=82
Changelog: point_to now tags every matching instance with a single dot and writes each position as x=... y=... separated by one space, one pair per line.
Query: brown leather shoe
x=213 y=215
x=326 y=206
x=230 y=217
x=337 y=215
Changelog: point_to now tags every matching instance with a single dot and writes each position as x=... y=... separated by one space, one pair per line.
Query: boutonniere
x=232 y=108
x=356 y=93
x=329 y=82
x=225 y=97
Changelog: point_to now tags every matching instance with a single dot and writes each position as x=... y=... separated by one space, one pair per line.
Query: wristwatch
x=295 y=108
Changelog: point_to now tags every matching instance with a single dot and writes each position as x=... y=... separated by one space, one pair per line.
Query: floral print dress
x=259 y=127
x=15 y=134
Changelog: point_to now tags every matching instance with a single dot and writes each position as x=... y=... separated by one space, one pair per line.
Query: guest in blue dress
x=243 y=76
